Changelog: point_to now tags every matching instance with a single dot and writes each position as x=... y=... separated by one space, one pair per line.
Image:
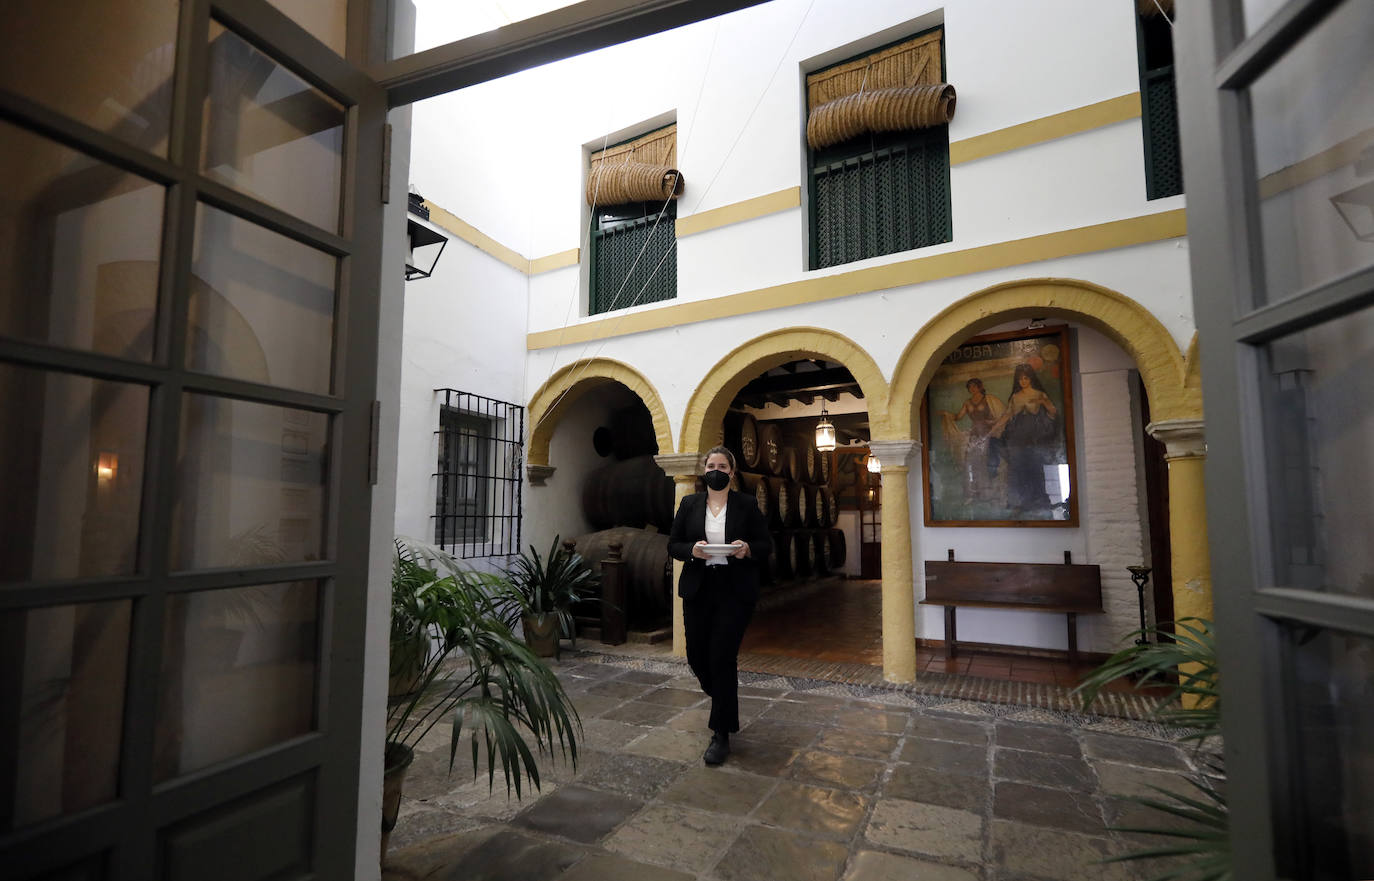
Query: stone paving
x=825 y=781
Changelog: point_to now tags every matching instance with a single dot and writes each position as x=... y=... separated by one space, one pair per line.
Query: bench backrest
x=1060 y=585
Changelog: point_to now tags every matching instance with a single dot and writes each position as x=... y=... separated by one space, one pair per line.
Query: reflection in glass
x=1333 y=758
x=107 y=64
x=79 y=248
x=1257 y=12
x=262 y=305
x=270 y=134
x=1318 y=389
x=239 y=669
x=326 y=20
x=65 y=667
x=250 y=484
x=71 y=474
x=1314 y=154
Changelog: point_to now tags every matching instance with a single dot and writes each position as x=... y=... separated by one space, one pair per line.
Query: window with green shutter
x=632 y=188
x=1158 y=99
x=883 y=187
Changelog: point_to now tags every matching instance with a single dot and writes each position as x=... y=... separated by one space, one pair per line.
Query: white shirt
x=715 y=534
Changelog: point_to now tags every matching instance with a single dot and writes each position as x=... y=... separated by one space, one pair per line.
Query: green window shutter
x=888 y=194
x=618 y=282
x=1159 y=116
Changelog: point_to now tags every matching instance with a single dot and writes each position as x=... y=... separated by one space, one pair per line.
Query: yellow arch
x=1162 y=366
x=556 y=396
x=706 y=409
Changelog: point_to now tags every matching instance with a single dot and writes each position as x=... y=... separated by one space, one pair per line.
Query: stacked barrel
x=790 y=479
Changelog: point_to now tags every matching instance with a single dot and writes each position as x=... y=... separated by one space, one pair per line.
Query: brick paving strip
x=843 y=778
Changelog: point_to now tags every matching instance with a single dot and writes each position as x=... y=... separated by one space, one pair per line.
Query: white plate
x=719 y=550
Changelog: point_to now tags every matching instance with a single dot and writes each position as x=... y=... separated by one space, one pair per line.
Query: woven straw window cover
x=642 y=170
x=894 y=89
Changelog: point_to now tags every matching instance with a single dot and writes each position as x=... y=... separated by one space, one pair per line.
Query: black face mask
x=716 y=480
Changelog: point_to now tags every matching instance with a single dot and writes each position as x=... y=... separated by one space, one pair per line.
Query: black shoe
x=718 y=750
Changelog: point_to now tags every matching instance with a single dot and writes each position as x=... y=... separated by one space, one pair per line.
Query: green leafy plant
x=550 y=584
x=1184 y=665
x=475 y=672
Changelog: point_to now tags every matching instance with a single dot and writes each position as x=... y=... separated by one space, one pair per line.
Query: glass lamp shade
x=874 y=466
x=825 y=435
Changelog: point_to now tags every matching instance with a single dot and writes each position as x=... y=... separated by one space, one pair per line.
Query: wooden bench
x=1068 y=588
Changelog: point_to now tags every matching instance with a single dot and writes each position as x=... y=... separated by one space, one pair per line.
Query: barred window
x=477 y=483
x=881 y=191
x=1158 y=98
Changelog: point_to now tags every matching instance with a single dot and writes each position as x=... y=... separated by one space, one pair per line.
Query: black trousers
x=714 y=620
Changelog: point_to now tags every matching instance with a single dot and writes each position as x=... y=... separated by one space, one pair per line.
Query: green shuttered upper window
x=1158 y=100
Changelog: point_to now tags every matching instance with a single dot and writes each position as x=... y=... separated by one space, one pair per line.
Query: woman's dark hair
x=729 y=457
x=978 y=382
x=1024 y=369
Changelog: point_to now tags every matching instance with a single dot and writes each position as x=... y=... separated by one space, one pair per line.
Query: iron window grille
x=880 y=193
x=477 y=483
x=1158 y=106
x=634 y=255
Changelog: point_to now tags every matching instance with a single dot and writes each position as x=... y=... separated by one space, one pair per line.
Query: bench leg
x=951 y=633
x=1073 y=637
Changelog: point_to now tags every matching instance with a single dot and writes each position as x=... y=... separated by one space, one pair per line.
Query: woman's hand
x=698 y=552
x=741 y=549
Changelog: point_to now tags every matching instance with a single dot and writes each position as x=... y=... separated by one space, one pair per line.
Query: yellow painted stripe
x=555 y=261
x=1319 y=165
x=1049 y=246
x=478 y=239
x=1047 y=128
x=749 y=209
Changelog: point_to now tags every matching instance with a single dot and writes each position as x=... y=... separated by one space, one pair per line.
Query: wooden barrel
x=832 y=507
x=825 y=465
x=634 y=493
x=770 y=447
x=815 y=507
x=820 y=544
x=783 y=501
x=790 y=466
x=648 y=571
x=796 y=491
x=756 y=485
x=808 y=466
x=835 y=537
x=632 y=432
x=784 y=558
x=742 y=439
x=804 y=553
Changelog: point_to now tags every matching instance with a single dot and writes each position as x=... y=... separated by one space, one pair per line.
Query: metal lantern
x=825 y=433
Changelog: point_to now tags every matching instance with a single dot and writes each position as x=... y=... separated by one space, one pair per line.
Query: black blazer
x=743 y=521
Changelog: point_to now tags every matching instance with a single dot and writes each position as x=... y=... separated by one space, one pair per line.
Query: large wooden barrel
x=820 y=551
x=832 y=507
x=837 y=548
x=825 y=464
x=784 y=557
x=632 y=432
x=756 y=485
x=770 y=447
x=783 y=501
x=808 y=468
x=796 y=512
x=804 y=553
x=814 y=509
x=634 y=492
x=742 y=439
x=788 y=463
x=648 y=571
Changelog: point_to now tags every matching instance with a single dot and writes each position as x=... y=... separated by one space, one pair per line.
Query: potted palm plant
x=474 y=672
x=544 y=590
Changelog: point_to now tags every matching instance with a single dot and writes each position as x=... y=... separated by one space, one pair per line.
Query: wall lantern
x=1356 y=208
x=106 y=466
x=825 y=433
x=873 y=465
x=424 y=238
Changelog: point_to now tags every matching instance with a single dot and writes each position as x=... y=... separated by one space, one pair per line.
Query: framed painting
x=997 y=446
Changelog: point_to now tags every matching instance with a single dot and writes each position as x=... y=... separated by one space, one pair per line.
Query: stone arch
x=715 y=392
x=1162 y=366
x=571 y=382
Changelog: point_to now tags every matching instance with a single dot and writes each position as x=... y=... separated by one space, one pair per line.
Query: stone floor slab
x=1042 y=806
x=638 y=712
x=1134 y=751
x=762 y=853
x=873 y=865
x=1043 y=769
x=645 y=676
x=962 y=758
x=433 y=852
x=1128 y=780
x=719 y=791
x=800 y=711
x=641 y=777
x=608 y=735
x=1036 y=738
x=667 y=743
x=864 y=744
x=779 y=732
x=941 y=728
x=611 y=867
x=589 y=706
x=673 y=697
x=578 y=812
x=676 y=837
x=510 y=855
x=926 y=829
x=937 y=787
x=814 y=810
x=868 y=718
x=830 y=769
x=1053 y=854
x=619 y=688
x=767 y=759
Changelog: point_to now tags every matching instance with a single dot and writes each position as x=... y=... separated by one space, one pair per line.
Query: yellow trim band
x=1017 y=252
x=738 y=212
x=475 y=237
x=555 y=261
x=1047 y=128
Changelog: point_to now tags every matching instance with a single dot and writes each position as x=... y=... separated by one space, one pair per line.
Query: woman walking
x=718 y=590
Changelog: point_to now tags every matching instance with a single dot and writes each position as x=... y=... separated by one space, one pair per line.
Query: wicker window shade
x=894 y=89
x=642 y=170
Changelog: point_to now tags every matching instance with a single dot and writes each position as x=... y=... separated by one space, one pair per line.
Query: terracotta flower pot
x=397 y=760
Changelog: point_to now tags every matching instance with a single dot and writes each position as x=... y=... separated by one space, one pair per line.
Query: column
x=1186 y=452
x=899 y=590
x=683 y=468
